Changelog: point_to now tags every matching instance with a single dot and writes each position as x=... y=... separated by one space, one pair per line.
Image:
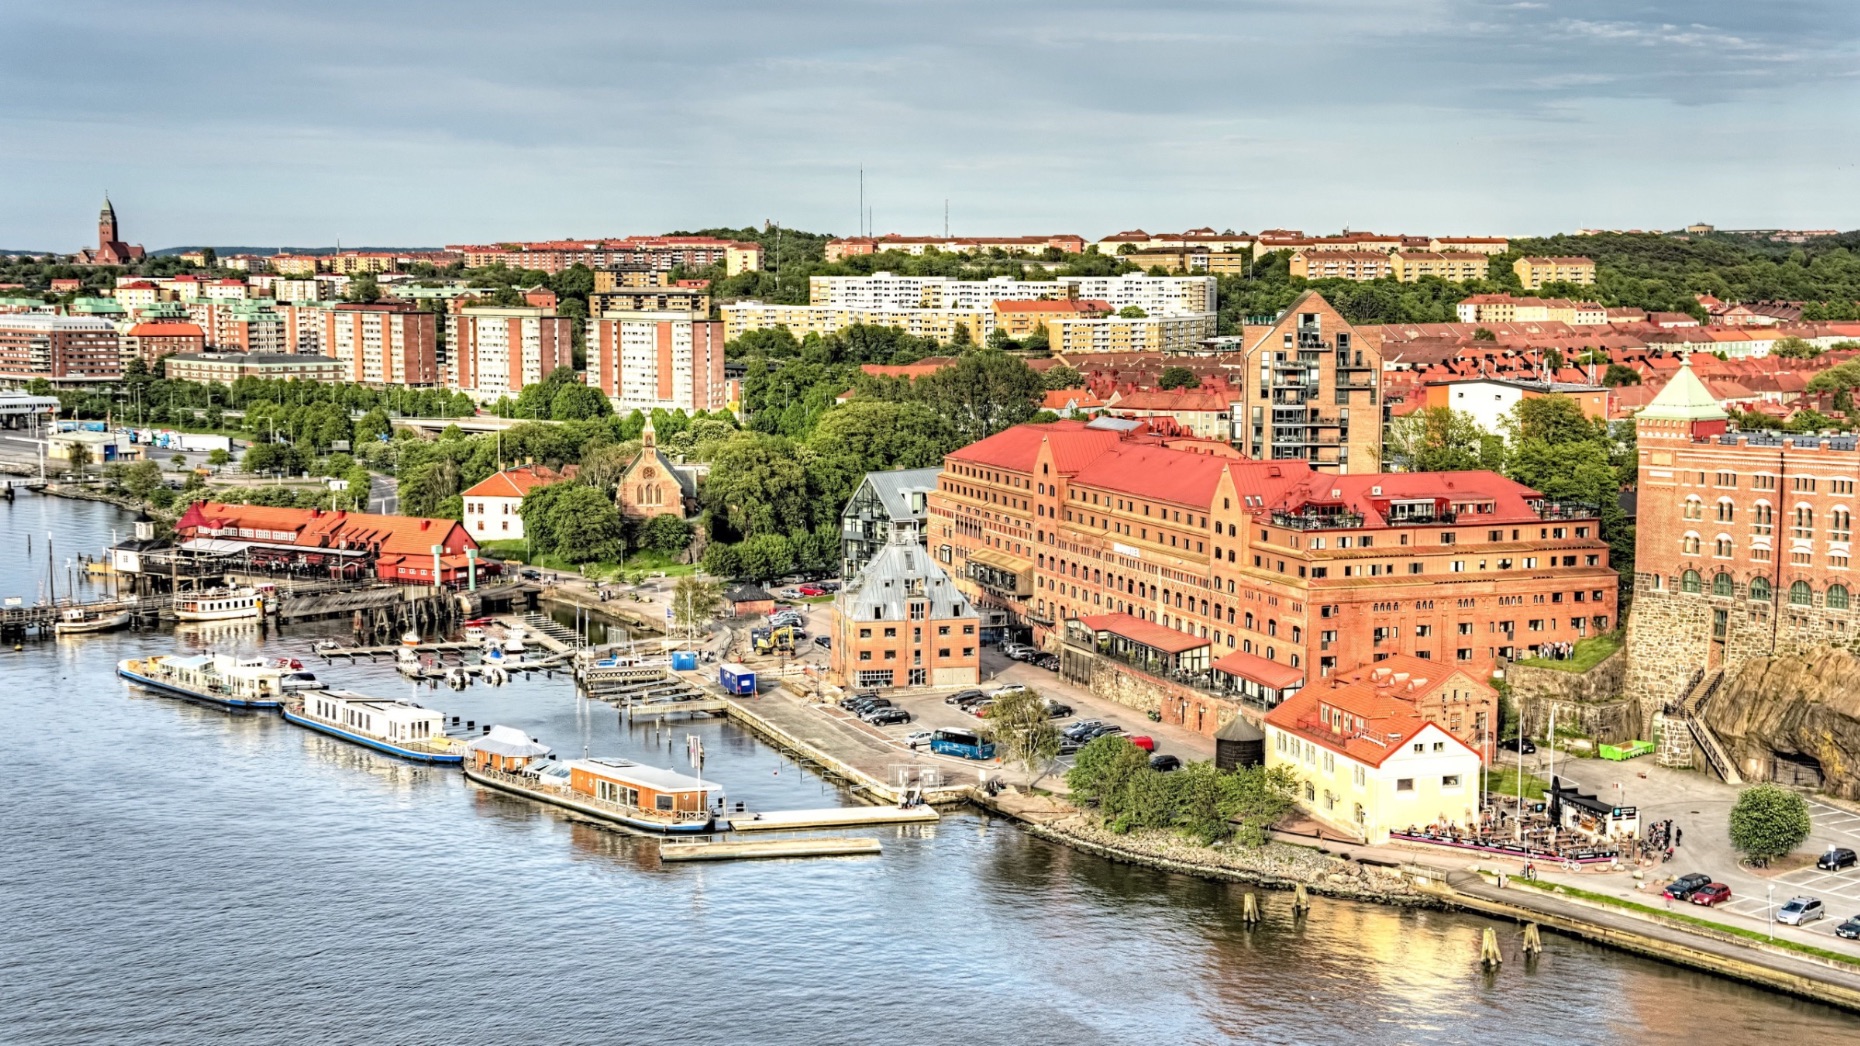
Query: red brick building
x=34 y=345
x=342 y=544
x=383 y=343
x=1258 y=566
x=149 y=342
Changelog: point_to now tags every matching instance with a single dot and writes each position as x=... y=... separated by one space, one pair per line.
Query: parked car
x=829 y=586
x=887 y=716
x=1836 y=859
x=824 y=642
x=1057 y=709
x=920 y=738
x=1083 y=729
x=1849 y=929
x=1515 y=744
x=1800 y=911
x=870 y=704
x=1165 y=762
x=851 y=699
x=1069 y=745
x=1710 y=894
x=1006 y=689
x=1148 y=744
x=1050 y=662
x=962 y=695
x=969 y=703
x=1681 y=888
x=810 y=591
x=1016 y=650
x=530 y=574
x=979 y=709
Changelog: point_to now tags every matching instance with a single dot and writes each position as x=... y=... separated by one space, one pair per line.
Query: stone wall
x=1804 y=705
x=1115 y=681
x=1591 y=701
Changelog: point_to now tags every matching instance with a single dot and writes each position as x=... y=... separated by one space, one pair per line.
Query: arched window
x=1801 y=595
x=1690 y=544
x=1722 y=548
x=1695 y=509
x=1804 y=521
x=1762 y=516
x=1722 y=585
x=1760 y=588
x=1727 y=510
x=1837 y=597
x=1690 y=582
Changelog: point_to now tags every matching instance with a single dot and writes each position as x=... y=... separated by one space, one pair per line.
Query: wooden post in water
x=1488 y=950
x=1300 y=903
x=1249 y=909
x=1533 y=942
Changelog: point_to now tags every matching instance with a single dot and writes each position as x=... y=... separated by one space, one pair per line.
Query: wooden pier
x=832 y=817
x=745 y=849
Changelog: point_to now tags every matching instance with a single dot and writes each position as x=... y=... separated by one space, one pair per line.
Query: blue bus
x=963 y=743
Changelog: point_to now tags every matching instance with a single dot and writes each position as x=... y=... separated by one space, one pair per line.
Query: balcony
x=1565 y=508
x=1317 y=520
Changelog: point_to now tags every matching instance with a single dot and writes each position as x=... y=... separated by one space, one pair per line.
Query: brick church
x=110 y=249
x=653 y=486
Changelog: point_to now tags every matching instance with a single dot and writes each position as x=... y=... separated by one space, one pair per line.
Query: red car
x=811 y=590
x=1148 y=744
x=1710 y=894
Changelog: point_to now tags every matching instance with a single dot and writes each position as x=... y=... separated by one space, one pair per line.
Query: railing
x=532 y=784
x=1565 y=508
x=1312 y=521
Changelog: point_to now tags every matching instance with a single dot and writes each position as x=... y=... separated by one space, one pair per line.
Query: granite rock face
x=1803 y=707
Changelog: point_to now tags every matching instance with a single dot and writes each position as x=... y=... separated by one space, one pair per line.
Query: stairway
x=1689 y=712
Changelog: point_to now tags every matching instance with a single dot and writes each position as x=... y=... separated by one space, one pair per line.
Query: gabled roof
x=898 y=573
x=514 y=483
x=894 y=489
x=1018 y=448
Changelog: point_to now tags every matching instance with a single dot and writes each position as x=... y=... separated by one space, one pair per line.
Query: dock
x=833 y=817
x=737 y=850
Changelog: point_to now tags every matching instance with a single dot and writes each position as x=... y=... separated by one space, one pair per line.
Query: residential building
x=901 y=621
x=614 y=279
x=654 y=253
x=1369 y=764
x=228 y=367
x=1461 y=702
x=1197 y=241
x=884 y=502
x=1204 y=413
x=224 y=290
x=493 y=506
x=1168 y=334
x=657 y=360
x=857 y=245
x=1491 y=402
x=149 y=342
x=741 y=317
x=650 y=299
x=1362 y=266
x=1743 y=545
x=493 y=352
x=1369 y=242
x=110 y=249
x=1194 y=260
x=884 y=290
x=35 y=345
x=1311 y=391
x=653 y=486
x=383 y=343
x=1535 y=272
x=247 y=325
x=1457 y=266
x=1019 y=319
x=138 y=294
x=1486 y=245
x=1210 y=575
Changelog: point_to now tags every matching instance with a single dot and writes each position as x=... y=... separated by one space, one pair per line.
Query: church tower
x=106 y=224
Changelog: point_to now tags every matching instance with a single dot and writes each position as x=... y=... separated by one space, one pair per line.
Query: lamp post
x=1769 y=923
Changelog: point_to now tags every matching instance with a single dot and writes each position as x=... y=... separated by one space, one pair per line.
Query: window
x=1689 y=582
x=1694 y=509
x=1801 y=595
x=1404 y=784
x=1721 y=548
x=1760 y=589
x=1689 y=545
x=1837 y=597
x=1727 y=511
x=1450 y=781
x=1722 y=585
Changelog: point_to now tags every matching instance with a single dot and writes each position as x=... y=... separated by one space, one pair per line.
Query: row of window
x=1801 y=593
x=1766 y=481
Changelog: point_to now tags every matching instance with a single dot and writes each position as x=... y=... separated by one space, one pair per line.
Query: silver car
x=1800 y=911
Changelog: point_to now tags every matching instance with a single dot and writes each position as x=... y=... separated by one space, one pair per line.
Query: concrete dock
x=736 y=850
x=833 y=817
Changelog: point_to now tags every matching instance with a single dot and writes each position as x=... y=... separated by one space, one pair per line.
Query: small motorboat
x=410 y=639
x=474 y=634
x=513 y=641
x=78 y=621
x=295 y=681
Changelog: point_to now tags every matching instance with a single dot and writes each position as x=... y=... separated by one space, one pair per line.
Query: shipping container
x=736 y=678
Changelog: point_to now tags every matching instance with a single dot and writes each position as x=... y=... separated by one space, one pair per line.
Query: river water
x=170 y=873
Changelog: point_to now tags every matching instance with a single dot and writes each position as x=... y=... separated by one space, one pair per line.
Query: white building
x=492 y=507
x=664 y=360
x=494 y=352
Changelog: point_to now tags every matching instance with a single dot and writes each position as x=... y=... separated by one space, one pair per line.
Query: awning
x=1270 y=674
x=989 y=557
x=1148 y=633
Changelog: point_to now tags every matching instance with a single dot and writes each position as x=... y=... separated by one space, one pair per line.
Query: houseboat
x=644 y=798
x=78 y=621
x=224 y=604
x=384 y=724
x=220 y=679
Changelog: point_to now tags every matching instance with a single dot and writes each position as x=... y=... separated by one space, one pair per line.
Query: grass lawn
x=1692 y=920
x=1589 y=653
x=1503 y=780
x=516 y=550
x=648 y=561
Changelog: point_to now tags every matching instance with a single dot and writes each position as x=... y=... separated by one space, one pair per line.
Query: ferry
x=223 y=604
x=644 y=798
x=78 y=621
x=384 y=724
x=220 y=679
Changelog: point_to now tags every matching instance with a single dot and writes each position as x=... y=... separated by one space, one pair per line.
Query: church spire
x=646 y=436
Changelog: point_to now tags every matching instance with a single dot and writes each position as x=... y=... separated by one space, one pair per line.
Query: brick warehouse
x=1743 y=543
x=1184 y=560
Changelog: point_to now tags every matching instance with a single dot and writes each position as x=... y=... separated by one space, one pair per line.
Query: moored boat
x=78 y=621
x=644 y=798
x=385 y=724
x=223 y=604
x=221 y=679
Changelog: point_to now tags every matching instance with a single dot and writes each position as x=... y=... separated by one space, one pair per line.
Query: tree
x=219 y=457
x=666 y=533
x=1794 y=348
x=578 y=402
x=1177 y=378
x=765 y=556
x=1061 y=377
x=1553 y=360
x=984 y=392
x=1619 y=374
x=1256 y=798
x=79 y=456
x=1024 y=731
x=142 y=478
x=758 y=485
x=1102 y=770
x=1482 y=334
x=694 y=601
x=209 y=257
x=1768 y=822
x=585 y=526
x=1132 y=312
x=362 y=288
x=373 y=427
x=1440 y=439
x=721 y=560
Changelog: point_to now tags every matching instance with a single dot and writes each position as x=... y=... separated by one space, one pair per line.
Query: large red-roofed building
x=341 y=544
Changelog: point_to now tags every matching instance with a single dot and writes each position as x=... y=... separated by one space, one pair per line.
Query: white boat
x=293 y=682
x=221 y=604
x=396 y=727
x=77 y=621
x=221 y=679
x=474 y=635
x=410 y=639
x=513 y=640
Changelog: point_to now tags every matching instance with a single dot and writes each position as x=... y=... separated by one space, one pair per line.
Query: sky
x=428 y=122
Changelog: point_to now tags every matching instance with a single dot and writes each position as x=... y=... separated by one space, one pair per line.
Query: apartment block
x=494 y=352
x=853 y=246
x=228 y=367
x=1311 y=391
x=1486 y=245
x=1457 y=266
x=652 y=253
x=40 y=346
x=884 y=290
x=649 y=299
x=149 y=342
x=901 y=621
x=1361 y=266
x=657 y=360
x=383 y=343
x=802 y=320
x=1194 y=241
x=243 y=325
x=1535 y=272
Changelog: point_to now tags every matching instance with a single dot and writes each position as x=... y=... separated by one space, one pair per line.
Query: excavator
x=784 y=639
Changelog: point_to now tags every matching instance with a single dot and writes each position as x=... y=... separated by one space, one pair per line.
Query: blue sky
x=422 y=122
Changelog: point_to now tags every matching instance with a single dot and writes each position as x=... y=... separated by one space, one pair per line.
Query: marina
x=747 y=849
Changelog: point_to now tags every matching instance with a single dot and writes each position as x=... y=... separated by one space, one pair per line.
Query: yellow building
x=1165 y=334
x=742 y=257
x=1535 y=272
x=613 y=279
x=801 y=320
x=1361 y=266
x=1457 y=266
x=1489 y=245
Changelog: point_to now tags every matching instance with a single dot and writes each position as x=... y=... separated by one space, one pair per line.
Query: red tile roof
x=1267 y=673
x=166 y=330
x=1074 y=446
x=315 y=528
x=514 y=483
x=1149 y=633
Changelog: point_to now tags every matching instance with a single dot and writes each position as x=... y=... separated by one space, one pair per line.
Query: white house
x=491 y=507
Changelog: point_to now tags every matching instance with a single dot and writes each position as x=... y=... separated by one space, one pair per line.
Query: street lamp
x=1769 y=922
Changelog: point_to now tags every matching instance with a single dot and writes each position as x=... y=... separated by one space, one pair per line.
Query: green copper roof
x=1685 y=398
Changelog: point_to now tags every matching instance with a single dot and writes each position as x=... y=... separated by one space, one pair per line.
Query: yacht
x=385 y=724
x=78 y=621
x=225 y=604
x=220 y=679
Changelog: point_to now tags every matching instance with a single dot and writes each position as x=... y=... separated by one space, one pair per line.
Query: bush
x=1768 y=822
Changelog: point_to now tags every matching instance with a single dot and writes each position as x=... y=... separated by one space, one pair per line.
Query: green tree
x=1767 y=822
x=1103 y=768
x=1256 y=798
x=373 y=427
x=425 y=488
x=1619 y=375
x=219 y=457
x=1061 y=377
x=1440 y=439
x=764 y=557
x=362 y=288
x=1132 y=312
x=1482 y=334
x=79 y=456
x=1177 y=378
x=666 y=533
x=758 y=485
x=578 y=402
x=538 y=513
x=142 y=478
x=695 y=601
x=984 y=392
x=721 y=560
x=585 y=526
x=1024 y=731
x=1553 y=360
x=1794 y=348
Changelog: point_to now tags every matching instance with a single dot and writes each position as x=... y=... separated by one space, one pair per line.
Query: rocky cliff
x=1803 y=709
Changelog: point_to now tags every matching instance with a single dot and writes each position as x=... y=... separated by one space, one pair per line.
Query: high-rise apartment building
x=1311 y=391
x=39 y=346
x=652 y=360
x=493 y=352
x=383 y=343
